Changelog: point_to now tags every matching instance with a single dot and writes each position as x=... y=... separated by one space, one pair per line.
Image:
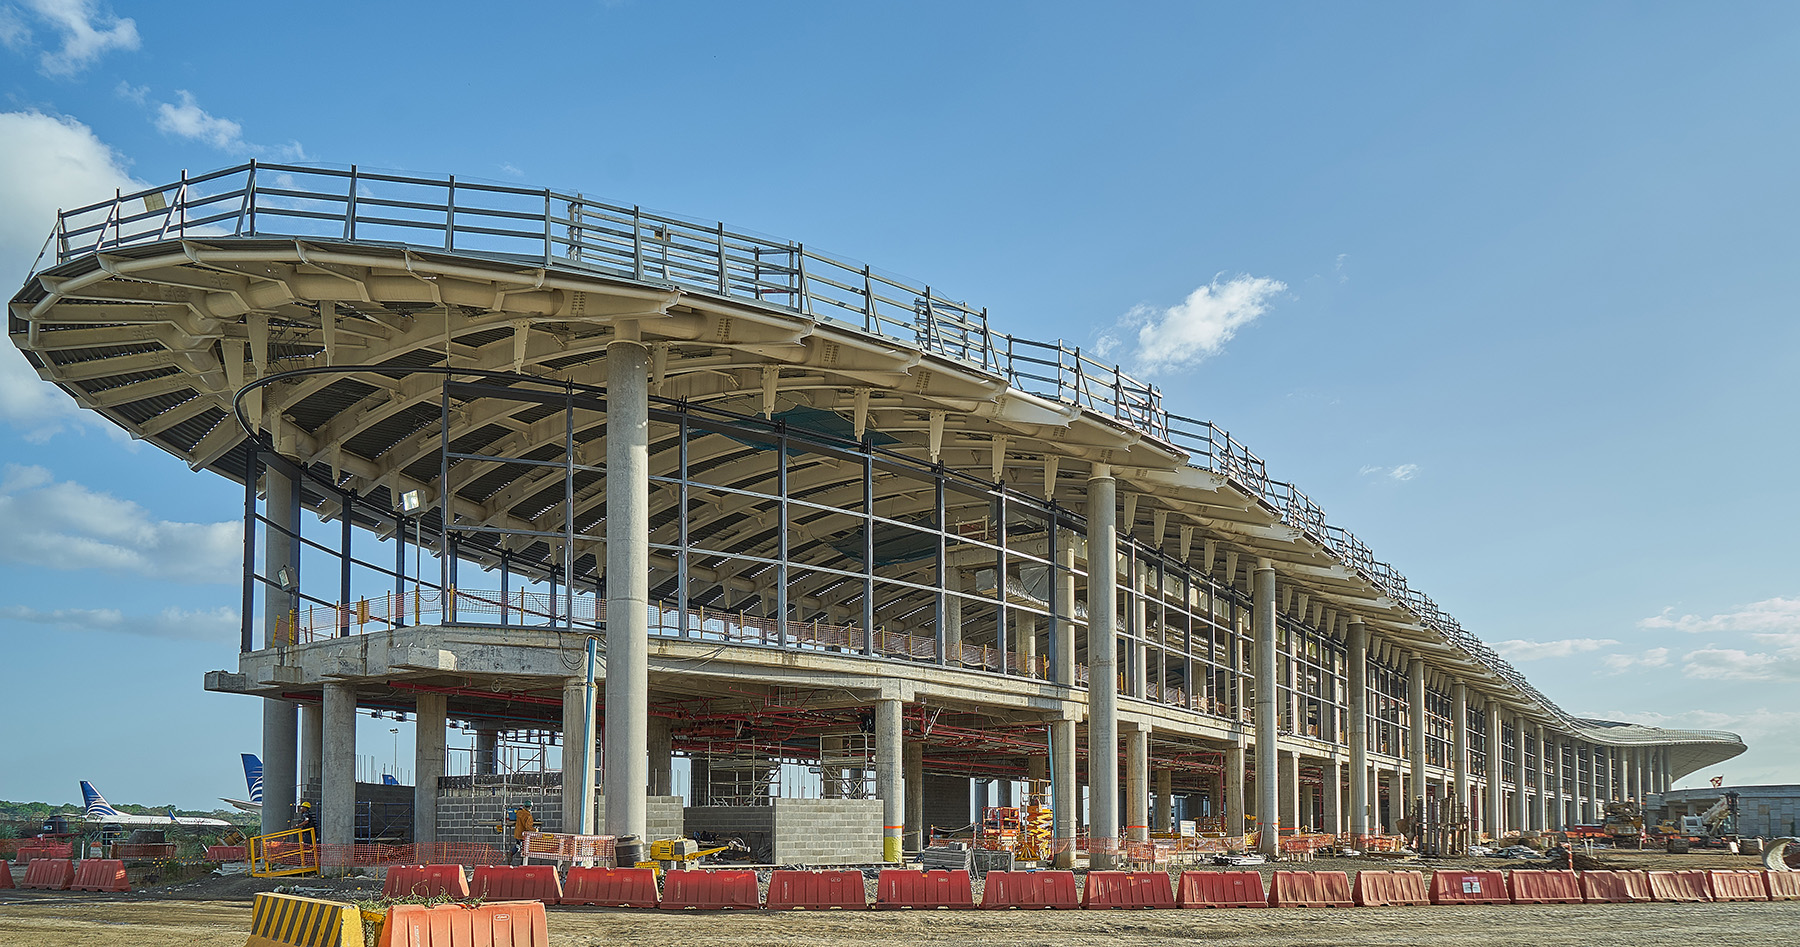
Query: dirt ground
x=216 y=911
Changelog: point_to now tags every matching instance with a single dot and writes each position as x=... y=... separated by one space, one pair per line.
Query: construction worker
x=307 y=819
x=522 y=823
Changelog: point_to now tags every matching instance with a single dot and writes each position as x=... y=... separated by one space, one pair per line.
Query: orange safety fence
x=567 y=849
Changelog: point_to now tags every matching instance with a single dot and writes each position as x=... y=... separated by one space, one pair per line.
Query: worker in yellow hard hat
x=307 y=819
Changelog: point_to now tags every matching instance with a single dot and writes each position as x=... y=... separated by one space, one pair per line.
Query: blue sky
x=1506 y=289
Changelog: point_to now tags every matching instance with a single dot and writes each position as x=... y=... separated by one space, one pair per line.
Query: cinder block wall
x=470 y=806
x=827 y=831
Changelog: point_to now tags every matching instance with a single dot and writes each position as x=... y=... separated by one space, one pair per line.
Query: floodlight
x=285 y=579
x=409 y=501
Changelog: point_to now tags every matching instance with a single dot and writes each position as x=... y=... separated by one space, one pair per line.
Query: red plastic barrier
x=1544 y=887
x=1469 y=887
x=100 y=874
x=899 y=888
x=425 y=881
x=41 y=849
x=817 y=890
x=516 y=883
x=1679 y=886
x=495 y=924
x=1310 y=889
x=1383 y=888
x=1221 y=889
x=5 y=874
x=611 y=887
x=1030 y=889
x=710 y=890
x=1737 y=885
x=227 y=853
x=1783 y=885
x=49 y=874
x=1128 y=889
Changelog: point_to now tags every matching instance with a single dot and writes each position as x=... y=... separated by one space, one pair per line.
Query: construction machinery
x=1025 y=830
x=1624 y=824
x=1716 y=826
x=676 y=853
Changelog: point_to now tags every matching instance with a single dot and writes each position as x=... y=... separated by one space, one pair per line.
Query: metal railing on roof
x=545 y=227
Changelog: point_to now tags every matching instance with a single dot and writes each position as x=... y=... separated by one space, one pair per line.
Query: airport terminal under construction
x=527 y=463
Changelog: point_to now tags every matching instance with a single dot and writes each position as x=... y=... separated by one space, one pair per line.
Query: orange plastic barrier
x=100 y=874
x=227 y=853
x=42 y=849
x=1679 y=886
x=1783 y=885
x=1384 y=888
x=49 y=874
x=1543 y=887
x=1737 y=885
x=611 y=887
x=1469 y=887
x=1310 y=889
x=1128 y=889
x=817 y=890
x=425 y=881
x=710 y=890
x=5 y=874
x=495 y=924
x=899 y=888
x=516 y=883
x=1031 y=889
x=1221 y=889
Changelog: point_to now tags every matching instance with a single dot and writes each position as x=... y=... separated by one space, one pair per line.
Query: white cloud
x=1620 y=663
x=1769 y=615
x=64 y=525
x=207 y=624
x=136 y=94
x=1184 y=335
x=46 y=162
x=188 y=120
x=1519 y=649
x=1402 y=472
x=1780 y=663
x=85 y=30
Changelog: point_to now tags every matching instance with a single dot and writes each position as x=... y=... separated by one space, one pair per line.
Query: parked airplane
x=253 y=778
x=99 y=811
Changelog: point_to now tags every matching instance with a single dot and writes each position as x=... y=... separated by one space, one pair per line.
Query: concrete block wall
x=470 y=806
x=827 y=831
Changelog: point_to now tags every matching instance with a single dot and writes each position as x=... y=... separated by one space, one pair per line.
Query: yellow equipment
x=680 y=852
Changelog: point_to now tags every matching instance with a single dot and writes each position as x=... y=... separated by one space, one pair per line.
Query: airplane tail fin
x=253 y=777
x=95 y=803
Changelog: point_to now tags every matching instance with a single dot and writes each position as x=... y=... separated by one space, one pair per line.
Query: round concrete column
x=914 y=761
x=1268 y=780
x=1356 y=657
x=1103 y=677
x=1494 y=817
x=628 y=588
x=428 y=763
x=337 y=784
x=1415 y=742
x=1137 y=783
x=280 y=723
x=1063 y=792
x=1234 y=788
x=1459 y=743
x=890 y=777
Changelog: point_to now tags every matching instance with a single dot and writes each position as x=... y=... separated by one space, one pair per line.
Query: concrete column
x=1268 y=779
x=889 y=777
x=1553 y=814
x=1103 y=679
x=628 y=584
x=1356 y=658
x=660 y=742
x=1288 y=762
x=280 y=726
x=1333 y=796
x=578 y=757
x=1603 y=755
x=1644 y=783
x=1064 y=796
x=1137 y=782
x=1234 y=788
x=487 y=751
x=1540 y=802
x=914 y=754
x=1415 y=740
x=428 y=763
x=1520 y=813
x=1372 y=788
x=830 y=777
x=312 y=743
x=952 y=630
x=1397 y=797
x=1062 y=667
x=1493 y=819
x=1459 y=744
x=1163 y=819
x=1590 y=810
x=337 y=771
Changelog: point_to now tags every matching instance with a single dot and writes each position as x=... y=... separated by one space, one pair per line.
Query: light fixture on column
x=409 y=501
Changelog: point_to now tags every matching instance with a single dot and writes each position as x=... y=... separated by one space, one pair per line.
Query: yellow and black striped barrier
x=287 y=920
